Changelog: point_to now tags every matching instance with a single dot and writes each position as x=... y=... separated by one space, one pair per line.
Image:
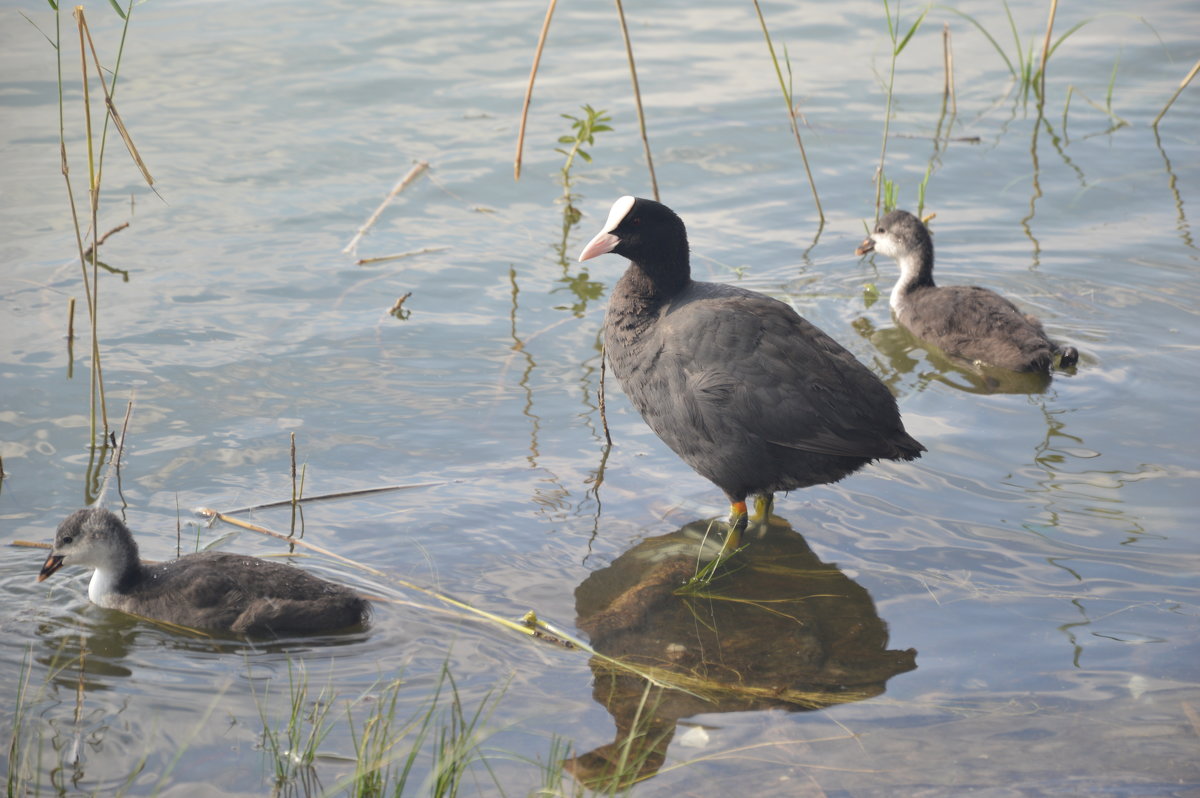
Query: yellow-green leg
x=763 y=504
x=738 y=518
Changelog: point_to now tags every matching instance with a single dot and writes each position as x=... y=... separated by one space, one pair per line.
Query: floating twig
x=398 y=310
x=537 y=58
x=418 y=167
x=87 y=253
x=398 y=256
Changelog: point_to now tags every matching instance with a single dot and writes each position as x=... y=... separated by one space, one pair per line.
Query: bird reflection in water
x=778 y=630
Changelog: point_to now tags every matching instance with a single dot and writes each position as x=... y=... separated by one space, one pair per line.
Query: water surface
x=1041 y=559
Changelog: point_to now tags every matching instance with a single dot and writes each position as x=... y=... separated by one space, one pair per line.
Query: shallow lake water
x=1016 y=613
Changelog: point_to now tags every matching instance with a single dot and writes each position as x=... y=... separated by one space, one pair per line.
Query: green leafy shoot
x=584 y=129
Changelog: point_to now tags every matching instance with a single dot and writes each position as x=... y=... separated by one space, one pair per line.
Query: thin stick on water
x=87 y=254
x=537 y=59
x=1182 y=85
x=787 y=96
x=397 y=256
x=413 y=173
x=637 y=98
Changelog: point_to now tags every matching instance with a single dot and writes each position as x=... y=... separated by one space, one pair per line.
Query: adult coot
x=967 y=322
x=210 y=590
x=748 y=393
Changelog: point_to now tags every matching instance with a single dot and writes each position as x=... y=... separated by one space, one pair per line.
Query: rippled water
x=1041 y=559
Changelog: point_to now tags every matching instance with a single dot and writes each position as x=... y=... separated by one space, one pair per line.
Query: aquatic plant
x=788 y=98
x=1029 y=74
x=1183 y=84
x=90 y=265
x=637 y=93
x=585 y=129
x=293 y=747
x=898 y=44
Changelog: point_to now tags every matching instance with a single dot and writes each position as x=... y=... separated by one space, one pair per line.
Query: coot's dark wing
x=248 y=595
x=195 y=591
x=751 y=366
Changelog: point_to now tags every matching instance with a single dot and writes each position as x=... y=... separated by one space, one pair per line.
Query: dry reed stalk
x=96 y=386
x=30 y=544
x=637 y=98
x=112 y=108
x=1182 y=85
x=524 y=627
x=262 y=530
x=417 y=168
x=537 y=59
x=344 y=494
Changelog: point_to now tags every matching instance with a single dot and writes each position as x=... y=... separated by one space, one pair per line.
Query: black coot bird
x=210 y=590
x=967 y=322
x=749 y=394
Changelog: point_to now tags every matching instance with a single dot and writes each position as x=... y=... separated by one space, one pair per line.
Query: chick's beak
x=52 y=564
x=868 y=245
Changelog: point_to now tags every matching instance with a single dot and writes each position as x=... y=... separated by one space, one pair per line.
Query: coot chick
x=209 y=590
x=967 y=322
x=748 y=393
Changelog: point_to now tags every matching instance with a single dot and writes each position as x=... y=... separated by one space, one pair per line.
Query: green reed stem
x=791 y=110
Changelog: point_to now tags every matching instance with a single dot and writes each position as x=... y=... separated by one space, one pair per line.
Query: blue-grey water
x=1041 y=558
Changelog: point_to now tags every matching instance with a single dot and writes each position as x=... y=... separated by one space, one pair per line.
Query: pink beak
x=602 y=243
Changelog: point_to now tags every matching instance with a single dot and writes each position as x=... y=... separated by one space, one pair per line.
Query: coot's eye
x=68 y=539
x=879 y=229
x=636 y=220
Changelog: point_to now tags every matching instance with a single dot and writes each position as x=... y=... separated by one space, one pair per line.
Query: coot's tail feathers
x=908 y=448
x=1068 y=356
